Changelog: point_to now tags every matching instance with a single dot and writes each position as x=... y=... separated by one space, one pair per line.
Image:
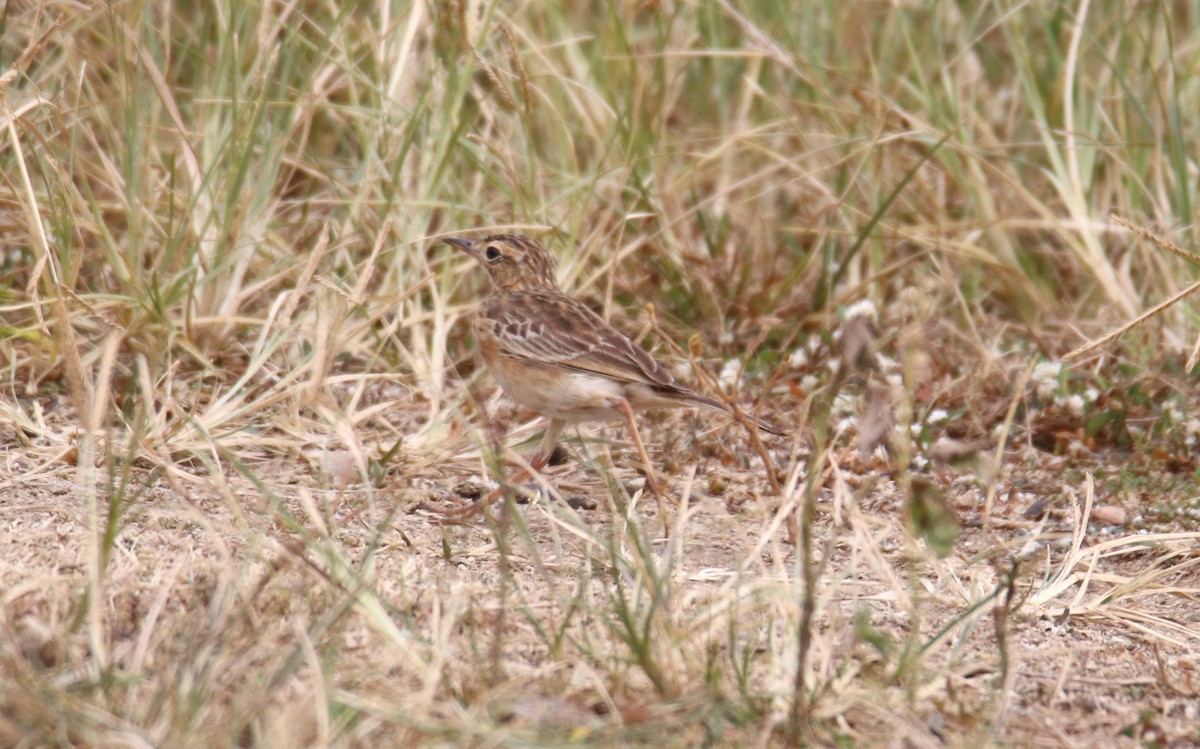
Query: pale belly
x=560 y=394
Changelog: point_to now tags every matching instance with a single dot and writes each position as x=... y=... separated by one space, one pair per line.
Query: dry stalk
x=730 y=401
x=1116 y=333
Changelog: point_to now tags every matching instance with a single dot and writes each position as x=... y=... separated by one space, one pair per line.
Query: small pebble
x=1108 y=515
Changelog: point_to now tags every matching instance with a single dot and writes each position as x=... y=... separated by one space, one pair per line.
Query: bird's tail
x=716 y=405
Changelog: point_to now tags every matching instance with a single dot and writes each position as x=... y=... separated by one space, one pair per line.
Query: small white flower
x=798 y=359
x=844 y=404
x=1045 y=378
x=729 y=374
x=1047 y=370
x=809 y=383
x=864 y=308
x=1091 y=394
x=1075 y=404
x=938 y=416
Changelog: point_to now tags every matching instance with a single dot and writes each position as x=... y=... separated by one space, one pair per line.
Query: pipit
x=552 y=354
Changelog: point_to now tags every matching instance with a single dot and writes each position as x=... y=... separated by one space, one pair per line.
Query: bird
x=554 y=355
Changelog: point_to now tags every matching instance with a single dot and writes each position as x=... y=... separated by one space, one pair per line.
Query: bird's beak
x=465 y=245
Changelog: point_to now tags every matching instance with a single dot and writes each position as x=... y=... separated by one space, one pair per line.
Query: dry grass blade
x=1116 y=333
x=1079 y=569
x=1167 y=245
x=1113 y=335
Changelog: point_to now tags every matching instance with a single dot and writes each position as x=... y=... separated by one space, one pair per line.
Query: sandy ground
x=219 y=580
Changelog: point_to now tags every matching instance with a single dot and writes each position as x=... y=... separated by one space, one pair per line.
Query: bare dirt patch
x=275 y=597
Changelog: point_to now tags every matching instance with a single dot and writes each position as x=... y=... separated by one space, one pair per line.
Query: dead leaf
x=930 y=517
x=947 y=451
x=876 y=422
x=858 y=345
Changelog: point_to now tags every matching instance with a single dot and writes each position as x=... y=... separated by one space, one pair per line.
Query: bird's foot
x=459 y=515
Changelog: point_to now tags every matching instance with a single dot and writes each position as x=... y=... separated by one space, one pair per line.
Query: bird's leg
x=537 y=462
x=548 y=443
x=654 y=486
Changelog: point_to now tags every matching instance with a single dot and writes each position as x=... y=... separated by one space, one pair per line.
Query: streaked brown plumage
x=554 y=355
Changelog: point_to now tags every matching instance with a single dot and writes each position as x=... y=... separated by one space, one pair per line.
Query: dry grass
x=233 y=367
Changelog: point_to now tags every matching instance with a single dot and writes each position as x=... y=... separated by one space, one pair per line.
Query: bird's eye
x=492 y=253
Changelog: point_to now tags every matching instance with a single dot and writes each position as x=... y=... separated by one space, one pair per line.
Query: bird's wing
x=558 y=330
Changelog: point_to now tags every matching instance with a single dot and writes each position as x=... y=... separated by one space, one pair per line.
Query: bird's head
x=514 y=262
